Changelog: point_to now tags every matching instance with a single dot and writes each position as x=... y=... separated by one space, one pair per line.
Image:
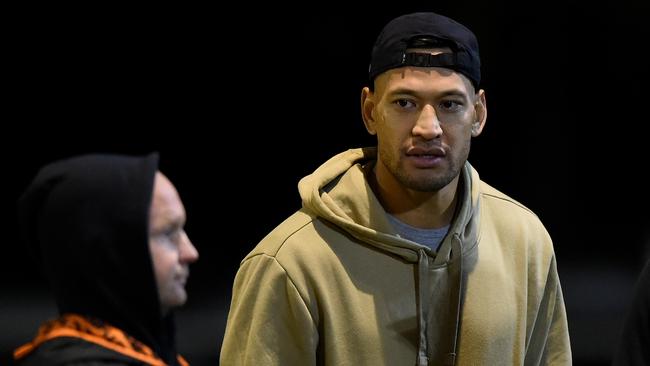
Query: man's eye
x=405 y=103
x=173 y=234
x=451 y=105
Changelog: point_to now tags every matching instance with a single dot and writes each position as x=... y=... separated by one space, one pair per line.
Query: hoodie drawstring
x=423 y=308
x=455 y=296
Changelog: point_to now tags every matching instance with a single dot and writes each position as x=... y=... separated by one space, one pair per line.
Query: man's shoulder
x=300 y=223
x=75 y=351
x=513 y=222
x=509 y=215
x=497 y=200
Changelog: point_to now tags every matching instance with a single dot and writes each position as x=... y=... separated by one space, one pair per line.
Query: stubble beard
x=427 y=182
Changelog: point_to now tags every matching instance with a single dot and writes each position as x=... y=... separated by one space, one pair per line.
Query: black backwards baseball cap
x=389 y=51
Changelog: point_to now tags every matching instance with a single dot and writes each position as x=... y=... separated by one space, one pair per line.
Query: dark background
x=243 y=102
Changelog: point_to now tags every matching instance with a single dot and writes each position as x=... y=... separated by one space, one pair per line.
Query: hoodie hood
x=87 y=220
x=339 y=193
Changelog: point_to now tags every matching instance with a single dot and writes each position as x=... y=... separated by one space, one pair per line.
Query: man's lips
x=182 y=277
x=426 y=157
x=433 y=151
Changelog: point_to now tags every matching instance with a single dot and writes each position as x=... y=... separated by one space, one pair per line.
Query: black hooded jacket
x=634 y=343
x=87 y=219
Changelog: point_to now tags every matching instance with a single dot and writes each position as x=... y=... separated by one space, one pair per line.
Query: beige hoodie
x=334 y=285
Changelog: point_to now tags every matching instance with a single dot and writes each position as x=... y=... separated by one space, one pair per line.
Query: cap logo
x=421 y=59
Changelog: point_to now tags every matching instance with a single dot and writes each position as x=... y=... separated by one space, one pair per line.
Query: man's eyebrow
x=449 y=92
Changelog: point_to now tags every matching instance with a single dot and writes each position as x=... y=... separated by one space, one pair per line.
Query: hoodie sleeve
x=269 y=323
x=549 y=343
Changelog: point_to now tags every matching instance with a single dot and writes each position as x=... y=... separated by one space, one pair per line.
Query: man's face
x=424 y=119
x=171 y=249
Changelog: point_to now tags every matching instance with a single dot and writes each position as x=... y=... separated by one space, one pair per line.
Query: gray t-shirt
x=427 y=237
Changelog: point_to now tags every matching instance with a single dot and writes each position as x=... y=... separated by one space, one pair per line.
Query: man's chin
x=181 y=297
x=177 y=300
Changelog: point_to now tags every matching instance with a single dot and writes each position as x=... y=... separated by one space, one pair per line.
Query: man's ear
x=367 y=110
x=480 y=113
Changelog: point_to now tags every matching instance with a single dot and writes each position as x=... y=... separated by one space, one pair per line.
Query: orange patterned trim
x=94 y=331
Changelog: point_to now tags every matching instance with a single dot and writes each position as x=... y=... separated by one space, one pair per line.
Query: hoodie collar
x=339 y=192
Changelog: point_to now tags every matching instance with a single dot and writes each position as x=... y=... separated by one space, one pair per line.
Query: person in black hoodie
x=634 y=343
x=108 y=232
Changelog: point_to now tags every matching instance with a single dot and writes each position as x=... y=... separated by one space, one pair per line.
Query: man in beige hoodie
x=401 y=255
